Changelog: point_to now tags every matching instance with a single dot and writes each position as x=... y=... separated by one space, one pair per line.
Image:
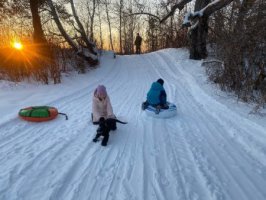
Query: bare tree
x=129 y=25
x=199 y=31
x=38 y=34
x=121 y=7
x=107 y=3
x=241 y=44
x=91 y=11
x=100 y=24
x=90 y=45
x=91 y=58
x=199 y=21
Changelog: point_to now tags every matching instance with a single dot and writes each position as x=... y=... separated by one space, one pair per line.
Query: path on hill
x=206 y=152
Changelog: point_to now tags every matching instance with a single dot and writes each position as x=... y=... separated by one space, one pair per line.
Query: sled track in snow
x=199 y=154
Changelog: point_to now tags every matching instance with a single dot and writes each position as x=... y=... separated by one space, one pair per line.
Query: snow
x=187 y=18
x=212 y=150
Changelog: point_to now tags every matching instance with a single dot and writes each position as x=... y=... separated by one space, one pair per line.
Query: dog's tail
x=120 y=121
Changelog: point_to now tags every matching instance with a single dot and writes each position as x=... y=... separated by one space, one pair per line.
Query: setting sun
x=17 y=45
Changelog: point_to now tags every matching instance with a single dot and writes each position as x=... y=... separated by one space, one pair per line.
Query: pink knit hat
x=101 y=91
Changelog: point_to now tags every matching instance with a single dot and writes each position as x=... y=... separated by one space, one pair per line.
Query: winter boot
x=165 y=106
x=144 y=105
x=158 y=109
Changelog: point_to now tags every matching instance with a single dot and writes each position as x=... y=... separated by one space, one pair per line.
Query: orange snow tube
x=38 y=113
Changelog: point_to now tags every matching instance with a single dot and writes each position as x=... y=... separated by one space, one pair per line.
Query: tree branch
x=145 y=13
x=178 y=6
x=90 y=44
x=205 y=12
x=214 y=6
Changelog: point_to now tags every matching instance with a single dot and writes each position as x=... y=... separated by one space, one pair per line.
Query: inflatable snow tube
x=163 y=113
x=38 y=113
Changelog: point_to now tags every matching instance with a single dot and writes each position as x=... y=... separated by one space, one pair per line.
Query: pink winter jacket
x=101 y=108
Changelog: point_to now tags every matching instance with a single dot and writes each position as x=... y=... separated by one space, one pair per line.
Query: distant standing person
x=138 y=41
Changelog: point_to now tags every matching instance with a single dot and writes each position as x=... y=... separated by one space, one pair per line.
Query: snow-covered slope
x=211 y=150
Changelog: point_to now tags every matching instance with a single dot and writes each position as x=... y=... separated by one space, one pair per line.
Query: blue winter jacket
x=156 y=95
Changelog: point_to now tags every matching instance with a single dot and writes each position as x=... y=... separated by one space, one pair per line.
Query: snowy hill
x=213 y=149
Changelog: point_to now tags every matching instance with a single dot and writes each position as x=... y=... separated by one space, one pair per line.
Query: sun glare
x=17 y=45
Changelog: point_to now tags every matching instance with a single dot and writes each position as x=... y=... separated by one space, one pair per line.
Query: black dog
x=105 y=126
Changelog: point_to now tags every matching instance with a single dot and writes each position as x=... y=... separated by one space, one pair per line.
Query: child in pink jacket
x=101 y=105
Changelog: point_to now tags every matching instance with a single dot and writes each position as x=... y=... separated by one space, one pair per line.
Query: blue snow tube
x=163 y=113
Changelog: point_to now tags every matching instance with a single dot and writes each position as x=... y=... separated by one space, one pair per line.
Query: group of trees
x=237 y=34
x=233 y=29
x=39 y=59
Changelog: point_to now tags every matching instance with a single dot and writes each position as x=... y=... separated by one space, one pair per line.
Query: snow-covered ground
x=213 y=149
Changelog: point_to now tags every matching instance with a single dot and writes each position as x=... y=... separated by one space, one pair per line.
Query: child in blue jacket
x=156 y=96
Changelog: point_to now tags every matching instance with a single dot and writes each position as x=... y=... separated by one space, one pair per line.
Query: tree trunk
x=109 y=25
x=92 y=20
x=120 y=24
x=100 y=25
x=44 y=57
x=38 y=35
x=198 y=38
x=198 y=34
